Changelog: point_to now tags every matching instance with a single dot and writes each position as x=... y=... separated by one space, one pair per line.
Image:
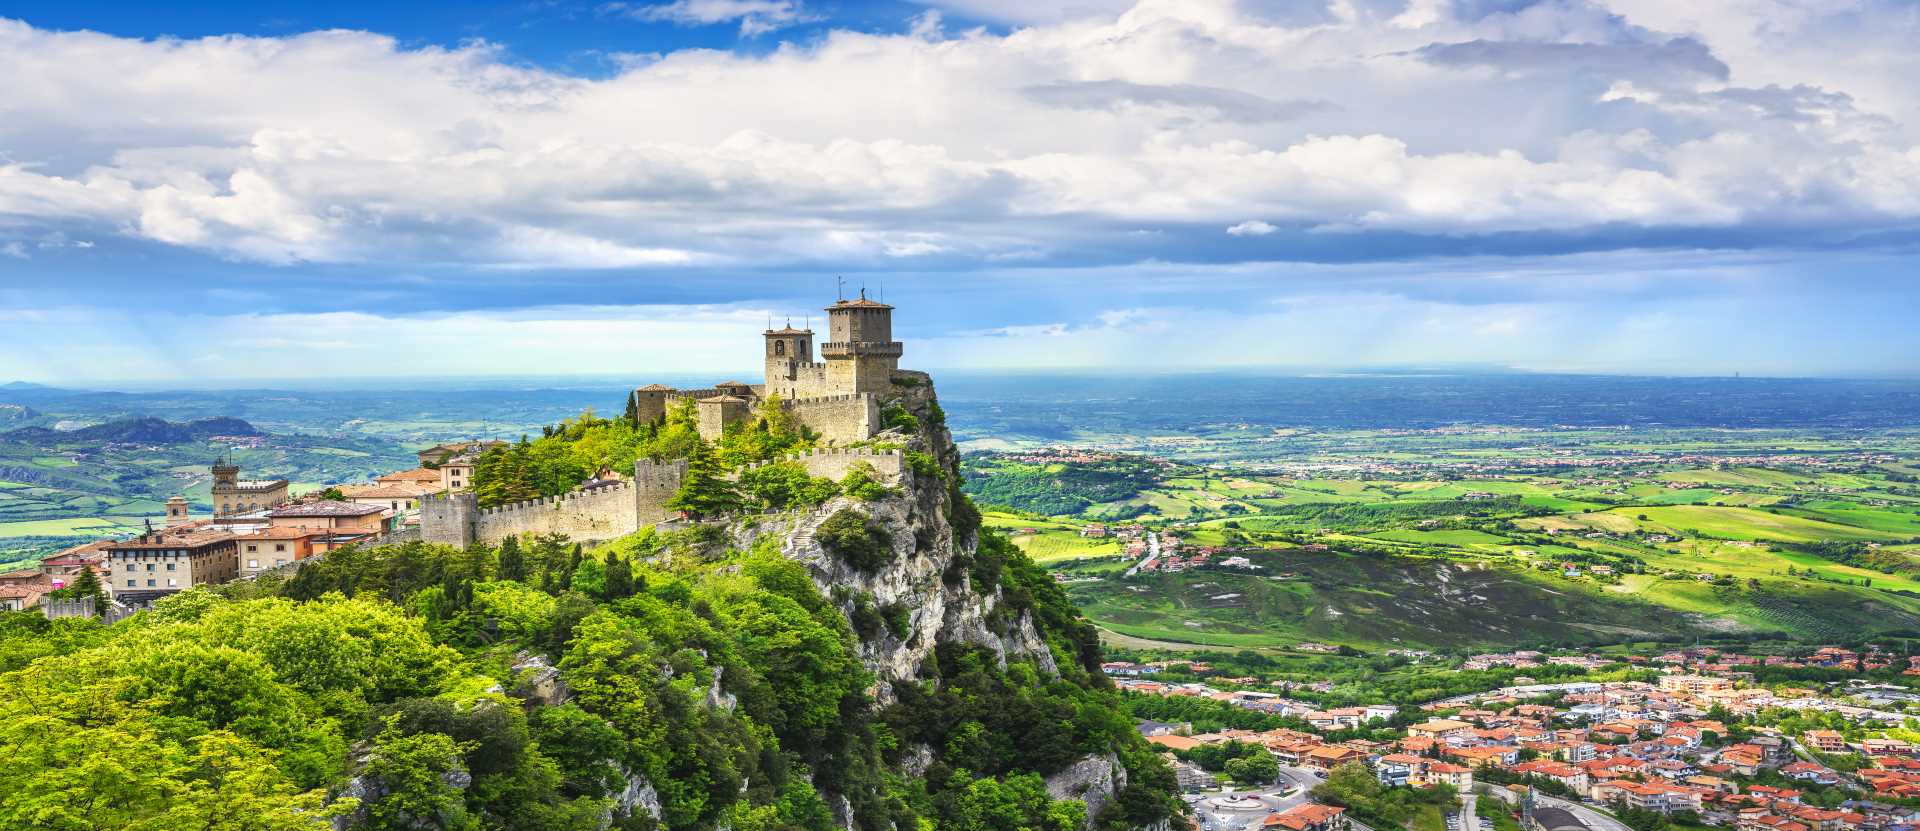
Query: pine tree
x=702 y=491
x=633 y=411
x=87 y=584
x=513 y=564
x=619 y=577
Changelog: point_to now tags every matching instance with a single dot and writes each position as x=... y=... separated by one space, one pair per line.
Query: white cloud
x=1058 y=139
x=756 y=17
x=15 y=249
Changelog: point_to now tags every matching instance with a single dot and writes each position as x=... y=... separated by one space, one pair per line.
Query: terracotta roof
x=177 y=538
x=418 y=474
x=655 y=388
x=861 y=303
x=789 y=331
x=325 y=507
x=388 y=490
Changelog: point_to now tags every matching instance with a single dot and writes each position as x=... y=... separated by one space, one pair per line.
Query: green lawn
x=1742 y=524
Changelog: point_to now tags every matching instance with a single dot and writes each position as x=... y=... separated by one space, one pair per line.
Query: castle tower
x=860 y=351
x=650 y=402
x=788 y=349
x=177 y=512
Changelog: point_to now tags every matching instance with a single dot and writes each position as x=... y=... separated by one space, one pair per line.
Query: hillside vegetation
x=877 y=663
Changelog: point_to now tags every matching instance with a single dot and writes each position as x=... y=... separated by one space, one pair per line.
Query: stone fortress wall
x=612 y=510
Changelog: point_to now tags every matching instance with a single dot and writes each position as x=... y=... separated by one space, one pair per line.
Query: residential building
x=156 y=564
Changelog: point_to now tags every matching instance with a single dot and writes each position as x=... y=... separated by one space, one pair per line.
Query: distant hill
x=145 y=430
x=23 y=385
x=17 y=413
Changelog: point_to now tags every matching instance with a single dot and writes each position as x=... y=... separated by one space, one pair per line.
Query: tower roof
x=860 y=303
x=789 y=331
x=655 y=388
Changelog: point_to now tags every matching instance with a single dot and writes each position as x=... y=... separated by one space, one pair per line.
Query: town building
x=234 y=495
x=158 y=563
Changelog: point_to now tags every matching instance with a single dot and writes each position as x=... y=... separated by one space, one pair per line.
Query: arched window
x=779 y=347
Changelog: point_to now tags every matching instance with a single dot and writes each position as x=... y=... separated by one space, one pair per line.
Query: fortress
x=837 y=398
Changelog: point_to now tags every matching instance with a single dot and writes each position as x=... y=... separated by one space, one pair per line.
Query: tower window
x=779 y=347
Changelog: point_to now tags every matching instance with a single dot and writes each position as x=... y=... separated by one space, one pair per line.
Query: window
x=132 y=567
x=279 y=546
x=252 y=548
x=170 y=582
x=170 y=566
x=253 y=564
x=132 y=583
x=149 y=582
x=149 y=566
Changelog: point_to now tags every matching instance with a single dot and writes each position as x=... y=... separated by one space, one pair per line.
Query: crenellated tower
x=860 y=351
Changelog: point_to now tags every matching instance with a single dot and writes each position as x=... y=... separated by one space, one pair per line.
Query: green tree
x=703 y=493
x=619 y=578
x=513 y=564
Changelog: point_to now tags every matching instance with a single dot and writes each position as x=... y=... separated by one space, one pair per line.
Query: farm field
x=1652 y=534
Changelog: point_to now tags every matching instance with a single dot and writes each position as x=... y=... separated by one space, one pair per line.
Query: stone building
x=234 y=495
x=834 y=395
x=158 y=563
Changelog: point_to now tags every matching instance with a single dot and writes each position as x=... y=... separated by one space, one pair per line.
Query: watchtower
x=650 y=402
x=788 y=349
x=860 y=351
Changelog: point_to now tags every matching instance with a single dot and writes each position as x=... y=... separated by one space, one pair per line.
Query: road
x=1594 y=819
x=1212 y=808
x=1469 y=814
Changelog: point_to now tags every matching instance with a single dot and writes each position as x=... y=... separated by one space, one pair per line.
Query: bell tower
x=788 y=349
x=860 y=351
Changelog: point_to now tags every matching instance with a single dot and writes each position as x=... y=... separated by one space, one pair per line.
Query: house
x=1309 y=817
x=1825 y=741
x=1440 y=728
x=395 y=498
x=1478 y=756
x=1810 y=772
x=1575 y=778
x=1324 y=758
x=271 y=548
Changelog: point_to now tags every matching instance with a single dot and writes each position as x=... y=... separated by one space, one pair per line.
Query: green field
x=1693 y=548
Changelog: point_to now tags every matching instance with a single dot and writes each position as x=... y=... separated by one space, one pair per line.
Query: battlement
x=577 y=493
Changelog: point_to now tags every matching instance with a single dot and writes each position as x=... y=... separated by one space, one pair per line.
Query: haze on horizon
x=267 y=190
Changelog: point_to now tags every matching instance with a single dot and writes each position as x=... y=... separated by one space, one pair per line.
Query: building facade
x=156 y=564
x=234 y=495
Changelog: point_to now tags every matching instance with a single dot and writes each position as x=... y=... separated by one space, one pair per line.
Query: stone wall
x=835 y=464
x=839 y=419
x=588 y=514
x=600 y=513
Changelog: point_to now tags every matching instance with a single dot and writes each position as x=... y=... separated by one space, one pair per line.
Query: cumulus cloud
x=1595 y=123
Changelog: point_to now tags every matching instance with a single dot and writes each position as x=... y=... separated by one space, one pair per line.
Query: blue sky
x=260 y=190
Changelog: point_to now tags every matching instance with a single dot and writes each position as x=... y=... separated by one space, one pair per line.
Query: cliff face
x=925 y=576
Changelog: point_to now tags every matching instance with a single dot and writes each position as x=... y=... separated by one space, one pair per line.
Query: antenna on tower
x=840 y=288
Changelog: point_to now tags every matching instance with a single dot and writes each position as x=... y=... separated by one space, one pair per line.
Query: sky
x=224 y=191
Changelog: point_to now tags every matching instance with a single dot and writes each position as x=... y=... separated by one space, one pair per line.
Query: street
x=1594 y=819
x=1241 y=810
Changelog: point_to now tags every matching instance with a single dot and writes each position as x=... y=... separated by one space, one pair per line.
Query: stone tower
x=860 y=351
x=226 y=475
x=788 y=350
x=177 y=512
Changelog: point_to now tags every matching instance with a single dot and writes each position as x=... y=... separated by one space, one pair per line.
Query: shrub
x=851 y=536
x=923 y=464
x=896 y=417
x=861 y=483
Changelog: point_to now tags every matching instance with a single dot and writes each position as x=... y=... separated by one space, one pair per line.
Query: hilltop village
x=1694 y=737
x=258 y=526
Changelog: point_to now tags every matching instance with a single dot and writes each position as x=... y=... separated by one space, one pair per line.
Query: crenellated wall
x=587 y=514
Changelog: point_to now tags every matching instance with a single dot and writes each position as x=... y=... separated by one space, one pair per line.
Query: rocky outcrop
x=537 y=682
x=1092 y=780
x=941 y=603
